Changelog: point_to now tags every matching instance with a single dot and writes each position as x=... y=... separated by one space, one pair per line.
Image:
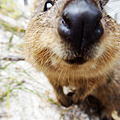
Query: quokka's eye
x=48 y=5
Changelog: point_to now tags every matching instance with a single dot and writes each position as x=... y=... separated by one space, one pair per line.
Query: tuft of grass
x=9 y=8
x=14 y=30
x=20 y=85
x=5 y=66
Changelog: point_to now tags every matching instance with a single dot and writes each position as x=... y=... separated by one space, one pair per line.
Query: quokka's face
x=76 y=32
x=80 y=29
x=70 y=32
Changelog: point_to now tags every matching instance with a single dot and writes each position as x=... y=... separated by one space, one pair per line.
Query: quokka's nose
x=80 y=24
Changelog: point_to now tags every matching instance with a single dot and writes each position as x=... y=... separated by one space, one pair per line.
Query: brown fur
x=46 y=51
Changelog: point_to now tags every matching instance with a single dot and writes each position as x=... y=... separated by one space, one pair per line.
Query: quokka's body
x=75 y=43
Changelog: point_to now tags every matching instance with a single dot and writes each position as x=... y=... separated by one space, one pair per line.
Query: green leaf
x=10 y=40
x=8 y=91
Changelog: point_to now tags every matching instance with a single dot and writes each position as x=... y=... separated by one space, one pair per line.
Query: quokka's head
x=71 y=33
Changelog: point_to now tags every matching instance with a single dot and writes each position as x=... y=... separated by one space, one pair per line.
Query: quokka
x=75 y=43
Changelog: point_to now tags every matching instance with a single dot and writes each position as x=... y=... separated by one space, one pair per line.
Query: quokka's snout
x=80 y=26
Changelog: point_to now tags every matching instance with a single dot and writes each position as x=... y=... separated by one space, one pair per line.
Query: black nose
x=80 y=24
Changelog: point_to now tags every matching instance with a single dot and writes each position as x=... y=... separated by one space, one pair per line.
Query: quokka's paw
x=65 y=101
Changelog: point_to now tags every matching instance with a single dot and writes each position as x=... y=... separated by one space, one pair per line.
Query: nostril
x=66 y=20
x=97 y=23
x=98 y=27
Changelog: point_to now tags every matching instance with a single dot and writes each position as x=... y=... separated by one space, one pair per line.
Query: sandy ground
x=26 y=94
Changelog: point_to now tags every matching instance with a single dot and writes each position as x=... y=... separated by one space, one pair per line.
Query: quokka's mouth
x=77 y=60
